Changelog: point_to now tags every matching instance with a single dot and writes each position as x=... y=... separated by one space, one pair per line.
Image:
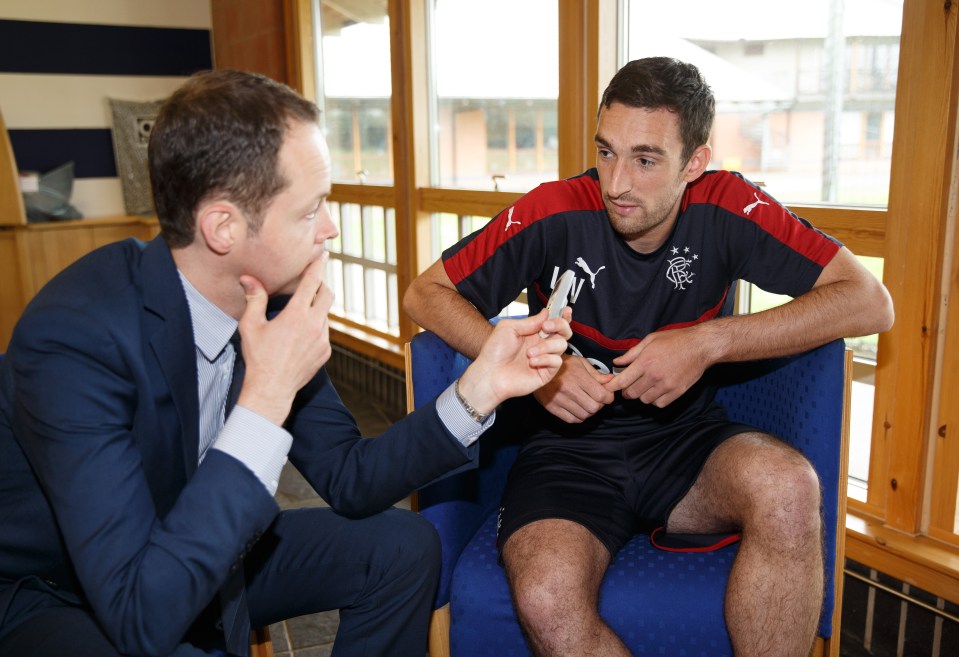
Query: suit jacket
x=101 y=498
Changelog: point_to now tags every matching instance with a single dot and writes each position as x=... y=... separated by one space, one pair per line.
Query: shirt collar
x=212 y=328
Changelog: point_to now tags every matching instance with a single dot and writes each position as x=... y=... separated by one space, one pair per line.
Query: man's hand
x=661 y=367
x=577 y=392
x=515 y=360
x=283 y=354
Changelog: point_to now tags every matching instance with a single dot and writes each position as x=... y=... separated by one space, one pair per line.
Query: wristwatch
x=472 y=412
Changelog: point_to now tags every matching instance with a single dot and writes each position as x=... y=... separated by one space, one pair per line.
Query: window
x=493 y=103
x=800 y=92
x=448 y=228
x=355 y=94
x=494 y=84
x=355 y=89
x=788 y=117
x=362 y=268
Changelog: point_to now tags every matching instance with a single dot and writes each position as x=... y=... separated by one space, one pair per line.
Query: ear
x=698 y=162
x=219 y=224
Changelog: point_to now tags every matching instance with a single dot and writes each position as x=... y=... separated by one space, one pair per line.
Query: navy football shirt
x=727 y=230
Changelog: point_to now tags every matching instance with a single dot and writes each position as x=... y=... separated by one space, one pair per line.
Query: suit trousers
x=381 y=572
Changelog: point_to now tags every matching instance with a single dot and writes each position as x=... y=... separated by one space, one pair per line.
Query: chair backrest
x=433 y=365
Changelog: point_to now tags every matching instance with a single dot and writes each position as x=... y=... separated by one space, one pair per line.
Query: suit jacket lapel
x=169 y=330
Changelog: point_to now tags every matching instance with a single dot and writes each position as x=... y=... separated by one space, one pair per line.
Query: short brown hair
x=667 y=83
x=219 y=135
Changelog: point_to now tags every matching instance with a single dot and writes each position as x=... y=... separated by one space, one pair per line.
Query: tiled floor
x=312 y=636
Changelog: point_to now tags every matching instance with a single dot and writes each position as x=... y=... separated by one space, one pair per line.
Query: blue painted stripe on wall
x=42 y=150
x=40 y=47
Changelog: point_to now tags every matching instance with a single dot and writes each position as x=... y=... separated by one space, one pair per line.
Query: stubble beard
x=646 y=219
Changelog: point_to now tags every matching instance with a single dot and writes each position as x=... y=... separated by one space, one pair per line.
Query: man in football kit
x=627 y=437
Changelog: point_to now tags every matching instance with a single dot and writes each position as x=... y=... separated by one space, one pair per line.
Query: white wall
x=38 y=101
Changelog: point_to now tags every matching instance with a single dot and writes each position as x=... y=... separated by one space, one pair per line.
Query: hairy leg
x=768 y=490
x=555 y=568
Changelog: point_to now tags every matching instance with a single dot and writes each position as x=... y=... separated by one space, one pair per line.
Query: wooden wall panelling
x=945 y=463
x=46 y=252
x=863 y=230
x=43 y=250
x=103 y=235
x=300 y=47
x=249 y=35
x=919 y=561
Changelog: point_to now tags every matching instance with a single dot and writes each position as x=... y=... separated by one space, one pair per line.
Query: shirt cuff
x=457 y=421
x=257 y=443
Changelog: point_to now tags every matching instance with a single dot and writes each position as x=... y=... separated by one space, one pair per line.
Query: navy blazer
x=101 y=498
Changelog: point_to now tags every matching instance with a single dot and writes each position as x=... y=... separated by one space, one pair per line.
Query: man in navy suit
x=136 y=501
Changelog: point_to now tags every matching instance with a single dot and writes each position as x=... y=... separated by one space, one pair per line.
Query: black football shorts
x=613 y=486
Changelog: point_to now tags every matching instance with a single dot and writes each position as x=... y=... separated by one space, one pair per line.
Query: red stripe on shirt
x=735 y=195
x=574 y=194
x=705 y=317
x=628 y=343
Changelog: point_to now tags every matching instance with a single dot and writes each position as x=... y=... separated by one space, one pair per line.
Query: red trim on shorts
x=662 y=540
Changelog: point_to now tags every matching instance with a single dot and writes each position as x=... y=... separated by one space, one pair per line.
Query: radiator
x=379 y=384
x=883 y=616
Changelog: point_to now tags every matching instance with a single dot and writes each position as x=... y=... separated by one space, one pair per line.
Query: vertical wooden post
x=915 y=229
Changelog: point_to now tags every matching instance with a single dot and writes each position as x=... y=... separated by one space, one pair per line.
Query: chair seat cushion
x=658 y=602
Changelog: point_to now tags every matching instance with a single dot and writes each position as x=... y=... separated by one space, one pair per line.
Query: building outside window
x=494 y=85
x=354 y=92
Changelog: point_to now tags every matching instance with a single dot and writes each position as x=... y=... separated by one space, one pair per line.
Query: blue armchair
x=658 y=602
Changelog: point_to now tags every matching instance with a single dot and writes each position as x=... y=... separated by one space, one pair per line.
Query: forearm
x=834 y=310
x=846 y=300
x=511 y=361
x=441 y=309
x=359 y=477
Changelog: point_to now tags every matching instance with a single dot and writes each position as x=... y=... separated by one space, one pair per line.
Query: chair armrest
x=802 y=400
x=456 y=505
x=459 y=505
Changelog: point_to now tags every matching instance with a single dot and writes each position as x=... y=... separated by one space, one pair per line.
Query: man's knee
x=410 y=542
x=554 y=568
x=541 y=596
x=790 y=501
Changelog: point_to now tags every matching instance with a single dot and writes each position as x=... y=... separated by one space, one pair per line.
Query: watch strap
x=472 y=412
